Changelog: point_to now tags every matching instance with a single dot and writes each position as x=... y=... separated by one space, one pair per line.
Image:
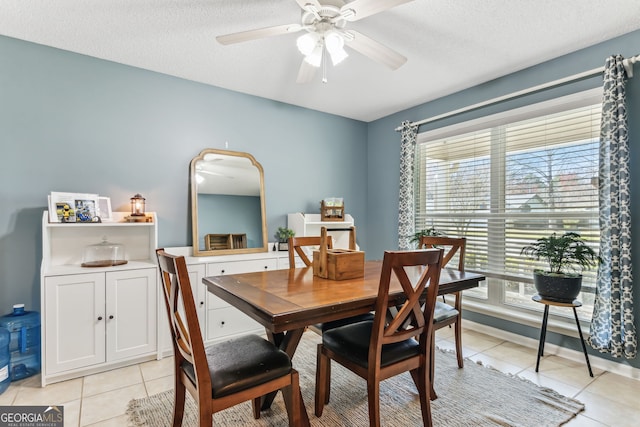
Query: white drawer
x=227 y=321
x=237 y=267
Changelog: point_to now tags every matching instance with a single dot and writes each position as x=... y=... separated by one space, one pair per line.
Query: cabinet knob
x=266 y=267
x=99 y=317
x=222 y=271
x=111 y=316
x=201 y=302
x=222 y=323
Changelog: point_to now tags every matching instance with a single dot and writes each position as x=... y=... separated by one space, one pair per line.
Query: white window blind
x=505 y=180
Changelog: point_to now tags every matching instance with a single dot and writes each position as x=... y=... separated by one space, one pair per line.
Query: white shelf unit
x=310 y=224
x=97 y=319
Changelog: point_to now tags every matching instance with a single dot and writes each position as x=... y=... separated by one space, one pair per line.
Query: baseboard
x=578 y=356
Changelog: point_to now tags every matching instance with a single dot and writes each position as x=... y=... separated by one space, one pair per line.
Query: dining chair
x=446 y=314
x=226 y=373
x=387 y=346
x=296 y=246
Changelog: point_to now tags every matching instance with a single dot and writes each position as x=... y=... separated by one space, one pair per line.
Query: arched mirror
x=227 y=204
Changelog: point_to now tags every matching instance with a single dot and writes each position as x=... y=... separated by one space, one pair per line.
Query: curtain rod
x=628 y=65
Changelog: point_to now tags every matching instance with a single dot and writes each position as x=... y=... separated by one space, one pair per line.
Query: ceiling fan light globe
x=307 y=43
x=334 y=42
x=338 y=56
x=315 y=58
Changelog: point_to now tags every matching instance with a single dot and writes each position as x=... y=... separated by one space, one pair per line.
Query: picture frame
x=104 y=209
x=73 y=207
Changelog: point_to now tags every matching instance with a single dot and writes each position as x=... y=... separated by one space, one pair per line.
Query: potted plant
x=415 y=239
x=568 y=255
x=282 y=235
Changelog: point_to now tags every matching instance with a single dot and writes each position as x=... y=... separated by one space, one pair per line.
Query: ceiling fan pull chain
x=324 y=63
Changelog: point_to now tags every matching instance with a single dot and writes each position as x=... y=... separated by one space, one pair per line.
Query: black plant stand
x=545 y=318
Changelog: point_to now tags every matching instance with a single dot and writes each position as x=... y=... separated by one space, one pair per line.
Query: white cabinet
x=219 y=320
x=96 y=319
x=99 y=317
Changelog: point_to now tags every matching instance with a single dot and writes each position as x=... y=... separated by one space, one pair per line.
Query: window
x=504 y=180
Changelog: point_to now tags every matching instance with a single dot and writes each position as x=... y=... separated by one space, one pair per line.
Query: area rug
x=473 y=396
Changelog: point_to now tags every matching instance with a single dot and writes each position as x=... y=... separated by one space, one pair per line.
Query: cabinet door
x=131 y=305
x=74 y=322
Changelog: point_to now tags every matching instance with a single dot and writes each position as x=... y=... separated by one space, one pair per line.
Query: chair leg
x=432 y=363
x=425 y=398
x=293 y=400
x=327 y=387
x=322 y=382
x=206 y=416
x=373 y=394
x=178 y=404
x=458 y=337
x=255 y=405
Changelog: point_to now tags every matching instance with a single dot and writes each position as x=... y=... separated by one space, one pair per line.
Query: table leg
x=584 y=347
x=543 y=335
x=288 y=342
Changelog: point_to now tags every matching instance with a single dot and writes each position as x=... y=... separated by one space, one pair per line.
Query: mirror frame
x=197 y=251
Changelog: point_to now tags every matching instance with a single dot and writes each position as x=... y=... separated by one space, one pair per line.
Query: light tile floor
x=101 y=399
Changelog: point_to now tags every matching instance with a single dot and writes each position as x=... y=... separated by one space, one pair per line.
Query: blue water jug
x=24 y=342
x=5 y=378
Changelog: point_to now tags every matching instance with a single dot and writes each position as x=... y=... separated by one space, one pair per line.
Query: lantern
x=137 y=205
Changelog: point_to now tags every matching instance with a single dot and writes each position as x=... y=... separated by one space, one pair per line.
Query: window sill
x=563 y=326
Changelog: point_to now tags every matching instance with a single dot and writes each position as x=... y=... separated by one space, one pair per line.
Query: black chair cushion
x=443 y=312
x=352 y=342
x=241 y=363
x=342 y=322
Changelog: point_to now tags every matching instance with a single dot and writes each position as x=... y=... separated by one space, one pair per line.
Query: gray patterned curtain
x=612 y=326
x=406 y=207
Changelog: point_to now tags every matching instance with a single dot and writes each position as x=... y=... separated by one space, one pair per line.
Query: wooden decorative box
x=340 y=264
x=331 y=213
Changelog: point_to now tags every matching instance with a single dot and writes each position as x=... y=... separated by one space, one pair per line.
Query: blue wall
x=383 y=146
x=73 y=123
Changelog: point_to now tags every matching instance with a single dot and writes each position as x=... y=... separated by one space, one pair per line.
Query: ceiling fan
x=326 y=34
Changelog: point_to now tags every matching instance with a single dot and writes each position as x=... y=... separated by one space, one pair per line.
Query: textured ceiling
x=450 y=44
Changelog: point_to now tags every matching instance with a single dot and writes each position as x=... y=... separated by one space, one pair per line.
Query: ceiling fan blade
x=307 y=4
x=306 y=72
x=358 y=9
x=374 y=50
x=244 y=36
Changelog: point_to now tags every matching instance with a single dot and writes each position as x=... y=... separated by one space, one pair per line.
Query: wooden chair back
x=183 y=318
x=191 y=364
x=415 y=271
x=452 y=246
x=397 y=321
x=296 y=245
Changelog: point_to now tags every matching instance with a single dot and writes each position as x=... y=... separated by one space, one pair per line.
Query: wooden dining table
x=285 y=302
